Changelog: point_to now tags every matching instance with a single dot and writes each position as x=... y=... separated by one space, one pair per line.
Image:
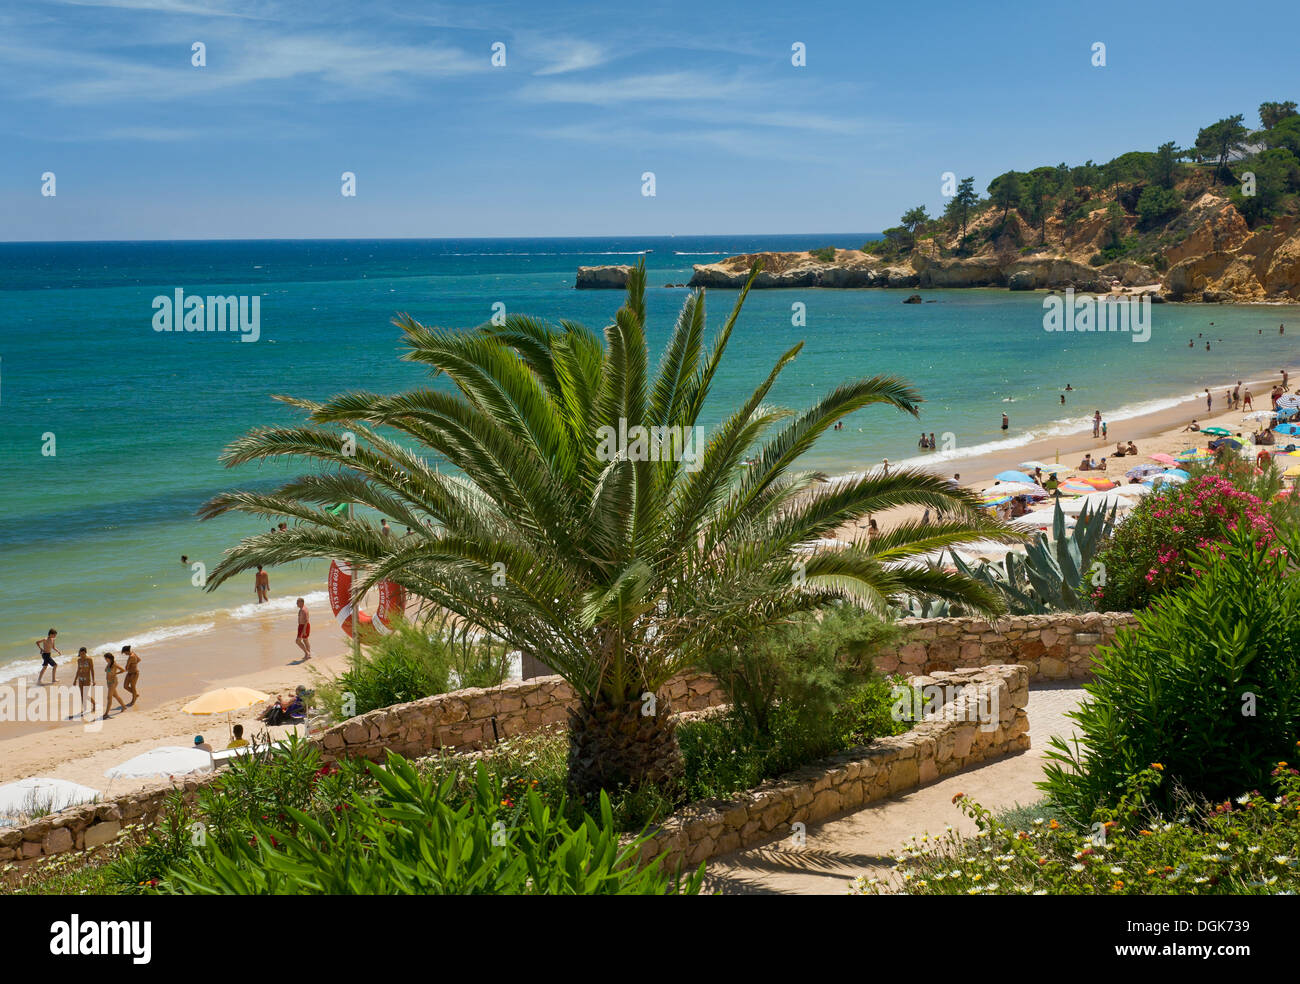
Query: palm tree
x=618 y=566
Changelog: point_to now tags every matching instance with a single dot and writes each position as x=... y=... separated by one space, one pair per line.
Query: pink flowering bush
x=1149 y=552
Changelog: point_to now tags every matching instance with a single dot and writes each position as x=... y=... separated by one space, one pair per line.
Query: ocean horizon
x=114 y=430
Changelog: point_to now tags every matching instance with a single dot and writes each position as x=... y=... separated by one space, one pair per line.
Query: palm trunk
x=617 y=746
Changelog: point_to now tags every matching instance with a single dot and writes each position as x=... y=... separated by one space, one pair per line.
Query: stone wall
x=1053 y=647
x=472 y=719
x=463 y=720
x=854 y=778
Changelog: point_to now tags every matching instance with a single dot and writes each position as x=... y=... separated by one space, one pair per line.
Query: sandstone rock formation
x=602 y=277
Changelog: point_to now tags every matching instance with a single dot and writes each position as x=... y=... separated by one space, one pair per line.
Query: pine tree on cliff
x=1217 y=142
x=958 y=209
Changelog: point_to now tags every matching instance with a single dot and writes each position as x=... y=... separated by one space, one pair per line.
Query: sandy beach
x=259 y=652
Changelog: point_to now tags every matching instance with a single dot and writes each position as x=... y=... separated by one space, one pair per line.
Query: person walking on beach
x=262 y=585
x=111 y=672
x=1096 y=423
x=85 y=679
x=1286 y=386
x=1236 y=395
x=1209 y=400
x=47 y=649
x=1245 y=401
x=304 y=630
x=132 y=674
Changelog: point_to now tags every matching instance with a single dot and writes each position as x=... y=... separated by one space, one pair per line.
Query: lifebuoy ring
x=392 y=603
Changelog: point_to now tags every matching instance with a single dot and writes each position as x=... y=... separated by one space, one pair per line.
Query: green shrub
x=826 y=254
x=1246 y=846
x=1147 y=554
x=807 y=664
x=411 y=840
x=1208 y=683
x=412 y=662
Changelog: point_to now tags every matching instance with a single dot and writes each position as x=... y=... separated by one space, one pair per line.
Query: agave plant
x=1051 y=577
x=617 y=566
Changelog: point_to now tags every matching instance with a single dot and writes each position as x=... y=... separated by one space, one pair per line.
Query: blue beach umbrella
x=1176 y=473
x=1015 y=476
x=1287 y=428
x=1142 y=471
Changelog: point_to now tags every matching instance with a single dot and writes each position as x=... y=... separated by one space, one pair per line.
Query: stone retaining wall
x=1053 y=647
x=463 y=720
x=854 y=778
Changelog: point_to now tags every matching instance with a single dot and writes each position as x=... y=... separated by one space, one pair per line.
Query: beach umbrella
x=1176 y=473
x=1041 y=519
x=1230 y=442
x=39 y=795
x=1015 y=476
x=1100 y=484
x=1142 y=471
x=1166 y=459
x=1165 y=477
x=1073 y=486
x=1048 y=469
x=1288 y=401
x=1258 y=415
x=1193 y=454
x=1292 y=472
x=170 y=760
x=1016 y=488
x=1287 y=429
x=226 y=701
x=1132 y=491
x=993 y=500
x=1102 y=500
x=1218 y=431
x=1285 y=413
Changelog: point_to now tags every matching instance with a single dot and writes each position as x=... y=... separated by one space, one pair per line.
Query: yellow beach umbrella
x=226 y=701
x=1292 y=472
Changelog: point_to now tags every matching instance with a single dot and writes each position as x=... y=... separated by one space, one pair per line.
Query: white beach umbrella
x=1017 y=488
x=1059 y=469
x=1096 y=501
x=1259 y=415
x=1288 y=400
x=1131 y=491
x=41 y=795
x=170 y=760
x=1037 y=519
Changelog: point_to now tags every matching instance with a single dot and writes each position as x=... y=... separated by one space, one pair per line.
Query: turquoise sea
x=91 y=535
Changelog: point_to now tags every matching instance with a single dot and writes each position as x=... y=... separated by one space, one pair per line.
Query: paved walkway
x=863 y=842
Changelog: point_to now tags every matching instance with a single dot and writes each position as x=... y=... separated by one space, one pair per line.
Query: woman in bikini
x=111 y=672
x=132 y=673
x=85 y=678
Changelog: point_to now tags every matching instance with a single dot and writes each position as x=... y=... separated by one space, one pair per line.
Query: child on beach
x=304 y=630
x=46 y=647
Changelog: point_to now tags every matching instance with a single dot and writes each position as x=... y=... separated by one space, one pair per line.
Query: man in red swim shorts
x=304 y=630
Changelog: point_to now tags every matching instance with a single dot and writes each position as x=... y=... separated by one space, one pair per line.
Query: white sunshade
x=170 y=760
x=1097 y=501
x=1288 y=400
x=1131 y=491
x=41 y=795
x=1015 y=488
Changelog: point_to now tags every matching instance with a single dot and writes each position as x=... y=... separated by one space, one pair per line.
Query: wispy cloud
x=207 y=9
x=568 y=55
x=684 y=86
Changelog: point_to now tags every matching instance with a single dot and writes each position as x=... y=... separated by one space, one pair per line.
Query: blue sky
x=403 y=94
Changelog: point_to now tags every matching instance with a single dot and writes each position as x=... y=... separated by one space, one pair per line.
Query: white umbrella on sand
x=39 y=795
x=1288 y=400
x=170 y=760
x=1131 y=491
x=1096 y=501
x=1017 y=488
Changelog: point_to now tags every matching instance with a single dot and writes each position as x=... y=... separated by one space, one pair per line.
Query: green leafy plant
x=826 y=254
x=1249 y=845
x=1056 y=575
x=1208 y=683
x=410 y=840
